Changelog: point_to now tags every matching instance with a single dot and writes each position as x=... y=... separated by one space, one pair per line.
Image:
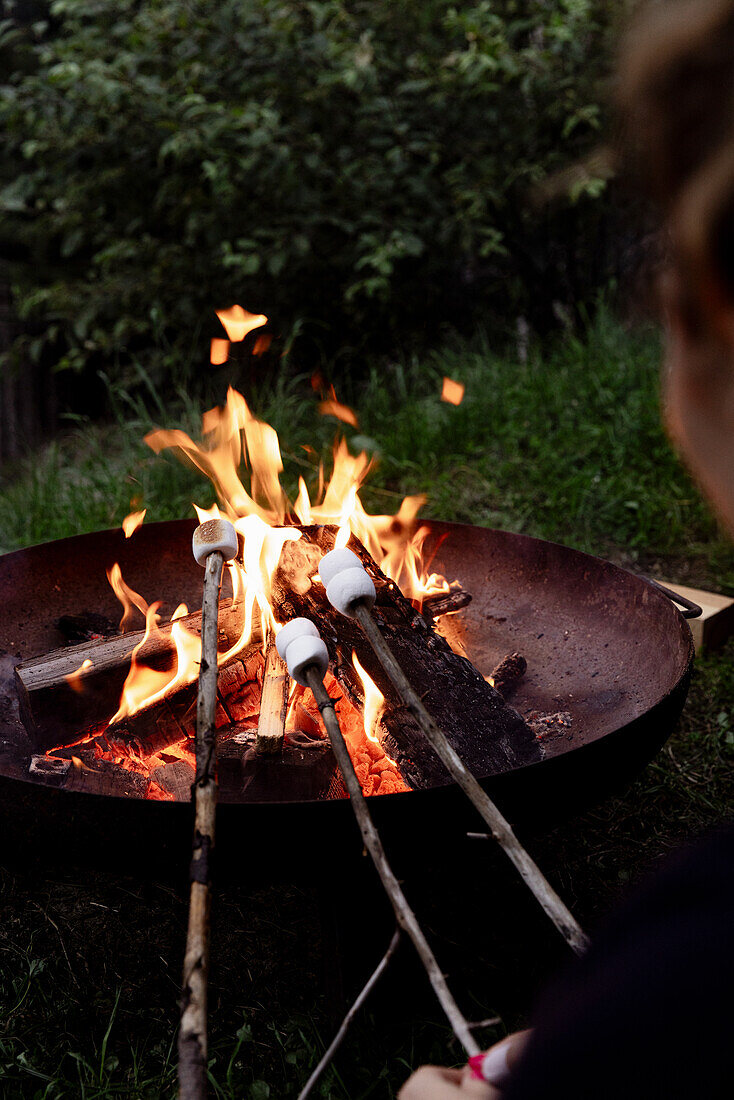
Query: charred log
x=489 y=735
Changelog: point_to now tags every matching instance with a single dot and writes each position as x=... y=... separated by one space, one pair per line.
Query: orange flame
x=238 y=322
x=144 y=685
x=332 y=407
x=374 y=701
x=131 y=522
x=127 y=597
x=218 y=352
x=74 y=679
x=452 y=392
x=241 y=457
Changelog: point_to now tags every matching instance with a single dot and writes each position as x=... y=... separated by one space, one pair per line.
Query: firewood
x=273 y=704
x=489 y=735
x=59 y=699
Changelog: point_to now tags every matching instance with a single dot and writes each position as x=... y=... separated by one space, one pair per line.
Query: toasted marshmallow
x=214 y=534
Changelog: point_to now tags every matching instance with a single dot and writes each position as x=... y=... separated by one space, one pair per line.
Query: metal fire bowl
x=602 y=644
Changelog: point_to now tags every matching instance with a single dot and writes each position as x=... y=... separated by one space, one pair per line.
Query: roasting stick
x=214 y=542
x=307 y=658
x=350 y=590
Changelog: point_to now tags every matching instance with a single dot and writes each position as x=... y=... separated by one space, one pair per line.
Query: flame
x=374 y=701
x=127 y=597
x=452 y=392
x=74 y=679
x=332 y=407
x=241 y=457
x=145 y=685
x=218 y=352
x=238 y=322
x=131 y=522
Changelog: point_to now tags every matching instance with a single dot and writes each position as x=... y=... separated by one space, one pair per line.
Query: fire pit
x=609 y=660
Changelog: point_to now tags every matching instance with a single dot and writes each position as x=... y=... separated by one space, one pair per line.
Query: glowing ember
x=452 y=392
x=218 y=352
x=238 y=322
x=262 y=343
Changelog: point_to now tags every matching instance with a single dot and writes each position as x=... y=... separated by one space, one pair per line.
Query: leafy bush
x=362 y=167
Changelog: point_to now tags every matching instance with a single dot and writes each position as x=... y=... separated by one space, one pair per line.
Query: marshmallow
x=214 y=534
x=296 y=628
x=336 y=561
x=348 y=588
x=304 y=652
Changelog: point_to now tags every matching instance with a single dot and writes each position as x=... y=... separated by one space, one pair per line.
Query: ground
x=566 y=445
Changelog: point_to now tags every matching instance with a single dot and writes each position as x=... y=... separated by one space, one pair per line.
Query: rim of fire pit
x=554 y=603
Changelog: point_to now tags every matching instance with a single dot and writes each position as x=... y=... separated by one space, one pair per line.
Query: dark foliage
x=354 y=170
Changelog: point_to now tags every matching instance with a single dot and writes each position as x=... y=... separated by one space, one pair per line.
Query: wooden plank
x=712 y=629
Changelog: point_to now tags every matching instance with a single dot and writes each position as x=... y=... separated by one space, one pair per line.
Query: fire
x=241 y=457
x=127 y=597
x=374 y=701
x=218 y=352
x=131 y=522
x=332 y=407
x=238 y=322
x=74 y=679
x=452 y=392
x=145 y=685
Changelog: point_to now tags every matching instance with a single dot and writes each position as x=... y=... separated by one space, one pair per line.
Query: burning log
x=74 y=690
x=489 y=735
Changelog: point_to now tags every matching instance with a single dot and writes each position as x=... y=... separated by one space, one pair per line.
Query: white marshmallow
x=348 y=588
x=214 y=534
x=336 y=561
x=296 y=628
x=304 y=652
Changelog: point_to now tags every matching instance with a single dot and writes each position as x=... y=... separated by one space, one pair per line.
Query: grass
x=567 y=446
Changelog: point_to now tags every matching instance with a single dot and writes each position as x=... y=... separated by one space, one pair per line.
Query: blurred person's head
x=676 y=92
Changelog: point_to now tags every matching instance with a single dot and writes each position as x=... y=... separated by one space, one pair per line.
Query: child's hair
x=676 y=94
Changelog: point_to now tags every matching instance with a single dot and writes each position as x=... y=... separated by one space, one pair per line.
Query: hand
x=437 y=1083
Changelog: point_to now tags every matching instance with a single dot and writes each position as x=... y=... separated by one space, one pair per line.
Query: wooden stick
x=273 y=704
x=347 y=1021
x=500 y=828
x=405 y=915
x=192 y=1036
